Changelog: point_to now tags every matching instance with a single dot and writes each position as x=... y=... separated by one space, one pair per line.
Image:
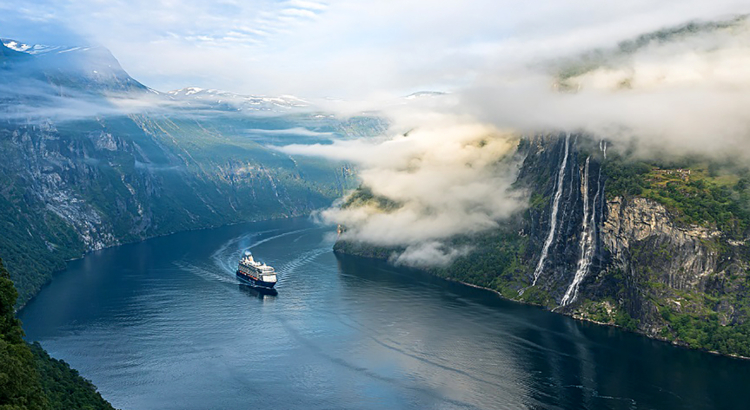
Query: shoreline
x=570 y=315
x=583 y=319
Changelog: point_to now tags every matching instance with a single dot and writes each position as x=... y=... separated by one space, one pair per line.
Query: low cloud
x=29 y=100
x=444 y=176
x=32 y=100
x=681 y=90
x=300 y=131
x=429 y=254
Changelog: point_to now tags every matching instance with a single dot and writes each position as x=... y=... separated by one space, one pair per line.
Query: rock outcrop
x=687 y=257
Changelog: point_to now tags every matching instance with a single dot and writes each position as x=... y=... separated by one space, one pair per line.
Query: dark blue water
x=164 y=324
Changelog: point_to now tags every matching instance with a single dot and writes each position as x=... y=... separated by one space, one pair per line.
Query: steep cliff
x=687 y=284
x=656 y=247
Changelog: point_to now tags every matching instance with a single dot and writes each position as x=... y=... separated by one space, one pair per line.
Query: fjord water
x=164 y=324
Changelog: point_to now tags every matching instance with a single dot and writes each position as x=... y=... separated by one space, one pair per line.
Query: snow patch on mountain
x=36 y=49
x=237 y=101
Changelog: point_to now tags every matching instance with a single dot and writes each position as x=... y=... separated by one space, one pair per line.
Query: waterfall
x=588 y=236
x=601 y=188
x=555 y=207
x=603 y=148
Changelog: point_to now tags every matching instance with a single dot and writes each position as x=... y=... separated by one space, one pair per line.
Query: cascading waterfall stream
x=553 y=215
x=583 y=263
x=588 y=235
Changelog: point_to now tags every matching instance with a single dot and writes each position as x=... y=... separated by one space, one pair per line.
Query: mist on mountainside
x=448 y=170
x=445 y=178
x=679 y=90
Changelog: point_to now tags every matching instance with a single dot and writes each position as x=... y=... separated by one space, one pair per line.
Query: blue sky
x=350 y=49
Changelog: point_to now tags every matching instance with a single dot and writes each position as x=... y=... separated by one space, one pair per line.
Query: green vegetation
x=496 y=261
x=30 y=256
x=364 y=196
x=706 y=332
x=19 y=382
x=695 y=191
x=64 y=387
x=672 y=33
x=596 y=311
x=607 y=311
x=625 y=321
x=625 y=178
x=697 y=197
x=365 y=250
x=29 y=378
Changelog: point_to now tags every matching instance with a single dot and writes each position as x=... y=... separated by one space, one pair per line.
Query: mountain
x=92 y=158
x=235 y=102
x=8 y=52
x=82 y=69
x=9 y=57
x=35 y=49
x=700 y=37
x=660 y=247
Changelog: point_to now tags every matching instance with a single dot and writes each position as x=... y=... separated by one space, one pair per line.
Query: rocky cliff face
x=566 y=209
x=687 y=256
x=623 y=260
x=628 y=260
x=666 y=268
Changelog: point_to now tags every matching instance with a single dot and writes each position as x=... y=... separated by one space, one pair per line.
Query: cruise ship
x=256 y=273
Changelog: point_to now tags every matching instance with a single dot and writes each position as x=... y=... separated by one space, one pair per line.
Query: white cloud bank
x=683 y=91
x=449 y=176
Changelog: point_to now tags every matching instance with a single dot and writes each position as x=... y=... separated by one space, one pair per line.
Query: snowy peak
x=237 y=102
x=35 y=49
x=188 y=91
x=90 y=69
x=7 y=53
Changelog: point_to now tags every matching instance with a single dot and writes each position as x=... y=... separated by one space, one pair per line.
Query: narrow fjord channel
x=164 y=324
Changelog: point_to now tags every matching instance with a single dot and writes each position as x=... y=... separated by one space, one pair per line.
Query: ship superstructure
x=255 y=272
